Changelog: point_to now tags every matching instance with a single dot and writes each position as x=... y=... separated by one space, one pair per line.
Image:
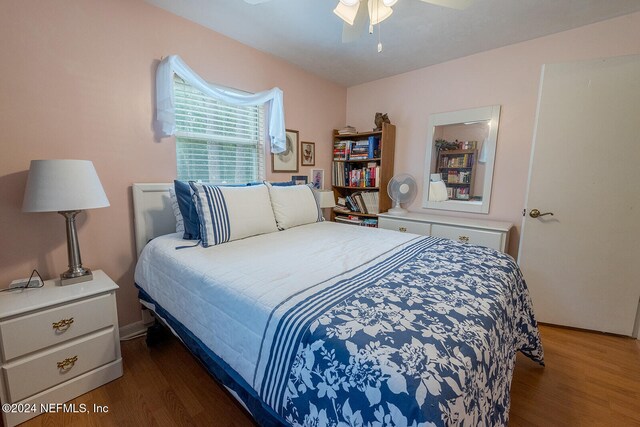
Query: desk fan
x=401 y=189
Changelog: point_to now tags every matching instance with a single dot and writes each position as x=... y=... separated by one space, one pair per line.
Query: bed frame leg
x=156 y=333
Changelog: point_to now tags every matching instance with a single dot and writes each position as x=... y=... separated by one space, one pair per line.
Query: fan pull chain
x=379 y=26
x=371 y=20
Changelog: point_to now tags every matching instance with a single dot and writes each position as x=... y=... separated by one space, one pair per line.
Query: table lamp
x=67 y=187
x=327 y=199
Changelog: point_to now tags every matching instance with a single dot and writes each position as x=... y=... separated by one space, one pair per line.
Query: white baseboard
x=139 y=327
x=132 y=329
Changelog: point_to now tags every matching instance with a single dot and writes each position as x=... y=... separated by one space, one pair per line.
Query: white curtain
x=165 y=102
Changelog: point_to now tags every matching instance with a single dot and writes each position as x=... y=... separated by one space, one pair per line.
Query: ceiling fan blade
x=453 y=4
x=256 y=1
x=351 y=33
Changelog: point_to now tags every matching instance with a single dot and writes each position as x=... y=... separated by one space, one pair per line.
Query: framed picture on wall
x=287 y=161
x=300 y=179
x=317 y=178
x=307 y=153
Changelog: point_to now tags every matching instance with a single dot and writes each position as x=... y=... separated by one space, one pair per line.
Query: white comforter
x=224 y=294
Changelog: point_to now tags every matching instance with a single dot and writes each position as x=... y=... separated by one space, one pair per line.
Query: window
x=217 y=142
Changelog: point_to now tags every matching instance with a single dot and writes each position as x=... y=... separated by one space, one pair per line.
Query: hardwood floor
x=590 y=379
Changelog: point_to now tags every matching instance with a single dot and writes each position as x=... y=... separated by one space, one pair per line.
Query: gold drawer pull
x=403 y=229
x=62 y=325
x=67 y=363
x=463 y=239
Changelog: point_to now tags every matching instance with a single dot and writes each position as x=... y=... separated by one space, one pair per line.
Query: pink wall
x=508 y=76
x=78 y=82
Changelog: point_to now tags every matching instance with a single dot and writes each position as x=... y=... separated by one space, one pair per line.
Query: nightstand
x=56 y=343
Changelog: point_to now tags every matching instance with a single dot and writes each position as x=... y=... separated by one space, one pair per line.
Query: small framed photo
x=307 y=153
x=287 y=161
x=300 y=179
x=317 y=178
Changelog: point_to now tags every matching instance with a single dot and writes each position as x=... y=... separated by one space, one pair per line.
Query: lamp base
x=67 y=278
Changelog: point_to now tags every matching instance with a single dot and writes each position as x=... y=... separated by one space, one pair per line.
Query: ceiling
x=307 y=33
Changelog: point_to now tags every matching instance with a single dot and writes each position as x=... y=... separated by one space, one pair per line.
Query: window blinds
x=217 y=142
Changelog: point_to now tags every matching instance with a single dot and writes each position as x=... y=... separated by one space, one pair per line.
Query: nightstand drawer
x=59 y=364
x=32 y=332
x=490 y=239
x=405 y=226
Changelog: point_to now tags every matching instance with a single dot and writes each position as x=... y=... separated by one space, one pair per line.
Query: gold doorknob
x=535 y=213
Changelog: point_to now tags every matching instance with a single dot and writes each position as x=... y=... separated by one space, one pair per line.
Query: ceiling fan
x=355 y=17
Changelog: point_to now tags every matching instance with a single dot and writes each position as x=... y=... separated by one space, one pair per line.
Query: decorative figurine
x=380 y=119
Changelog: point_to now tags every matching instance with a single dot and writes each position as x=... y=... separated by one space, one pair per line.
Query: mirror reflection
x=459 y=160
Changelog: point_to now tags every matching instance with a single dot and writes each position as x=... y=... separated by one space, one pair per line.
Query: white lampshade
x=389 y=3
x=327 y=200
x=347 y=13
x=378 y=12
x=63 y=185
x=349 y=2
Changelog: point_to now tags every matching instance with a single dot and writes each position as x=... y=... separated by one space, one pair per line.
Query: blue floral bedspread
x=426 y=337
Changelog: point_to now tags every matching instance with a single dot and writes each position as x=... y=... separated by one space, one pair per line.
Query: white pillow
x=232 y=213
x=176 y=210
x=294 y=205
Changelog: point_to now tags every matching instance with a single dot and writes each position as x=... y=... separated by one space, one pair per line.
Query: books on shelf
x=457 y=161
x=461 y=193
x=364 y=177
x=360 y=160
x=340 y=150
x=347 y=130
x=457 y=177
x=356 y=175
x=370 y=222
x=366 y=202
x=356 y=220
x=348 y=220
x=374 y=147
x=468 y=145
x=361 y=149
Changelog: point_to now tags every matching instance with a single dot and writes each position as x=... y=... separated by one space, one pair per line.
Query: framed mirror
x=459 y=159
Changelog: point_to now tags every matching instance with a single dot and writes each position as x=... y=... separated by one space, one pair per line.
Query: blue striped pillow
x=232 y=213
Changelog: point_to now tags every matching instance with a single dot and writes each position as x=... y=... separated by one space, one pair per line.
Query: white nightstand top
x=21 y=301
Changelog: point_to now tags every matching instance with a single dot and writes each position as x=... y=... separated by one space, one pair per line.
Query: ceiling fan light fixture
x=389 y=3
x=347 y=13
x=378 y=12
x=349 y=2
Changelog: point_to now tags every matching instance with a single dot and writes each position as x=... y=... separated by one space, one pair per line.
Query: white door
x=582 y=264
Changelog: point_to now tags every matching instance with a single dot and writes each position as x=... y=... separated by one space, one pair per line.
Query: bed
x=332 y=324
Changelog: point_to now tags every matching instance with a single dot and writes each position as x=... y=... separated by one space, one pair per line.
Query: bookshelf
x=458 y=170
x=361 y=170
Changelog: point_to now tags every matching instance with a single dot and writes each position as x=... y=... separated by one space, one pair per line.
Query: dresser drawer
x=405 y=226
x=40 y=371
x=490 y=239
x=32 y=332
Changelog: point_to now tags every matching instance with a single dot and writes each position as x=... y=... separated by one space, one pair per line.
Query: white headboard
x=152 y=213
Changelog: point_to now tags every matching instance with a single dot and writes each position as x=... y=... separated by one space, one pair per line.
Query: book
x=341 y=209
x=374 y=147
x=347 y=130
x=348 y=220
